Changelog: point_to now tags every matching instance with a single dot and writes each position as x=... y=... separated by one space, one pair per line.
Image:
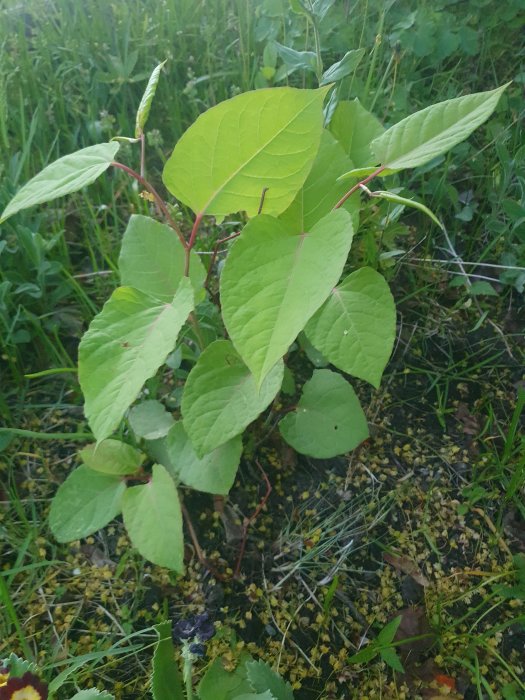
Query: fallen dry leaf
x=406 y=566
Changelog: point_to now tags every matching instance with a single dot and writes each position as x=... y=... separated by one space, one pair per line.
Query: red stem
x=358 y=185
x=191 y=242
x=161 y=204
x=248 y=521
x=214 y=255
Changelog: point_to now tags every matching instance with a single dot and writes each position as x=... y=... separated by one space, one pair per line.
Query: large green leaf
x=321 y=191
x=112 y=457
x=92 y=694
x=84 y=503
x=165 y=679
x=355 y=127
x=355 y=328
x=125 y=344
x=147 y=99
x=64 y=176
x=213 y=473
x=434 y=130
x=153 y=519
x=275 y=279
x=328 y=420
x=266 y=139
x=152 y=259
x=221 y=398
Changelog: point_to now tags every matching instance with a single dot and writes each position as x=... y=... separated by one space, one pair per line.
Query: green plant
x=266 y=154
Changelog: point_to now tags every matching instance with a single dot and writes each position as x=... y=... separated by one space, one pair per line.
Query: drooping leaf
x=221 y=397
x=165 y=680
x=65 y=176
x=150 y=420
x=404 y=201
x=321 y=191
x=84 y=503
x=147 y=99
x=213 y=473
x=262 y=139
x=328 y=420
x=355 y=328
x=152 y=260
x=262 y=677
x=355 y=127
x=364 y=655
x=125 y=344
x=220 y=684
x=275 y=279
x=426 y=134
x=112 y=457
x=344 y=67
x=293 y=61
x=153 y=519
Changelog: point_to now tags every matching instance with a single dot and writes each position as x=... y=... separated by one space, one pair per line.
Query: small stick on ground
x=200 y=554
x=248 y=521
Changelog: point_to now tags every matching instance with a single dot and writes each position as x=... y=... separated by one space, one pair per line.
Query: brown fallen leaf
x=416 y=633
x=469 y=422
x=406 y=566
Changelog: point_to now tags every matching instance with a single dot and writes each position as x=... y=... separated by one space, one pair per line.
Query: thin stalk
x=191 y=242
x=161 y=204
x=142 y=155
x=359 y=185
x=46 y=436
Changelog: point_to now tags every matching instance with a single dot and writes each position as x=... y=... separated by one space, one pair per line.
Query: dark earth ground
x=413 y=523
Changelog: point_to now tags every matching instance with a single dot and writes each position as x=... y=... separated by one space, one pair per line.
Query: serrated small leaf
x=328 y=420
x=364 y=655
x=355 y=328
x=220 y=684
x=262 y=677
x=152 y=259
x=390 y=657
x=430 y=132
x=84 y=503
x=264 y=279
x=165 y=681
x=213 y=473
x=92 y=694
x=150 y=420
x=261 y=139
x=147 y=99
x=387 y=634
x=65 y=176
x=153 y=519
x=221 y=397
x=112 y=457
x=125 y=344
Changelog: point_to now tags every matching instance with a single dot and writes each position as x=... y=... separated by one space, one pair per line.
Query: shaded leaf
x=152 y=260
x=355 y=127
x=153 y=519
x=213 y=473
x=150 y=420
x=328 y=420
x=84 y=503
x=112 y=457
x=355 y=328
x=342 y=68
x=262 y=677
x=221 y=397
